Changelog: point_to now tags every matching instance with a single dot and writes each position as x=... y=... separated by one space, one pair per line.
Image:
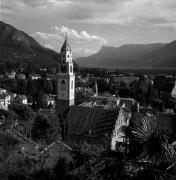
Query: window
x=68 y=56
x=71 y=69
x=63 y=85
x=72 y=84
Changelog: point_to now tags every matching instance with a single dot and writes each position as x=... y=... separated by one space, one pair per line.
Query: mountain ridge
x=133 y=55
x=16 y=45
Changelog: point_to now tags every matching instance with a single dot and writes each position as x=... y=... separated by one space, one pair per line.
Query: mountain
x=133 y=55
x=18 y=46
x=163 y=57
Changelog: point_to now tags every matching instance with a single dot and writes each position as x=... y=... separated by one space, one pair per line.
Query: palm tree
x=148 y=142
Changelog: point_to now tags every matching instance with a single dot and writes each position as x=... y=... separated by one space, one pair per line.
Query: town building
x=173 y=93
x=20 y=76
x=126 y=80
x=10 y=75
x=107 y=102
x=56 y=150
x=22 y=99
x=65 y=79
x=49 y=100
x=50 y=76
x=4 y=99
x=2 y=91
x=35 y=76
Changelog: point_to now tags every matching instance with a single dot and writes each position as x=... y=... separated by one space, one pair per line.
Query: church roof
x=65 y=46
x=91 y=121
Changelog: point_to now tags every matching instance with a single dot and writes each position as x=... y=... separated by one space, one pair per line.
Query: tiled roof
x=57 y=150
x=91 y=121
x=59 y=145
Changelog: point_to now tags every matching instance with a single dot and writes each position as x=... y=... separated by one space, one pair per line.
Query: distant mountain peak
x=8 y=32
x=16 y=45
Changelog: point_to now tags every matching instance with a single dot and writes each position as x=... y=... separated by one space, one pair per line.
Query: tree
x=24 y=111
x=151 y=93
x=21 y=86
x=41 y=100
x=43 y=174
x=150 y=143
x=61 y=169
x=46 y=129
x=8 y=145
x=31 y=88
x=48 y=86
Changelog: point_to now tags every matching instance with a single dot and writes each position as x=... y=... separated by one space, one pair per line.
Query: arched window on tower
x=63 y=85
x=71 y=69
x=72 y=84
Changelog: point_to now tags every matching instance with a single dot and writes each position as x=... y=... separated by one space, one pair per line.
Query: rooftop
x=91 y=121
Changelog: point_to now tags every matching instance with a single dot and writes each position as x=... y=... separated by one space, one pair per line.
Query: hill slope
x=163 y=57
x=133 y=55
x=16 y=45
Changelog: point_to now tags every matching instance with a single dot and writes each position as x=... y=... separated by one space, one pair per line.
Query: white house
x=173 y=93
x=21 y=99
x=4 y=100
x=21 y=76
x=2 y=91
x=11 y=75
x=35 y=76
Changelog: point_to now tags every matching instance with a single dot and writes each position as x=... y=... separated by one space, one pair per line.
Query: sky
x=91 y=24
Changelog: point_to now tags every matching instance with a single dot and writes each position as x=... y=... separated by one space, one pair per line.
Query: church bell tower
x=65 y=79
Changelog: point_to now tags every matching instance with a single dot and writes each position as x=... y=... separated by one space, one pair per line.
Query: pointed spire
x=66 y=39
x=66 y=46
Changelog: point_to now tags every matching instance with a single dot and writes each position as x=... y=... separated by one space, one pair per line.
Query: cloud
x=130 y=12
x=82 y=36
x=47 y=36
x=78 y=37
x=49 y=46
x=94 y=22
x=87 y=51
x=60 y=3
x=23 y=8
x=119 y=12
x=88 y=42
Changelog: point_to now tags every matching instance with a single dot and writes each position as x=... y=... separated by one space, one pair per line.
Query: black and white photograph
x=87 y=89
